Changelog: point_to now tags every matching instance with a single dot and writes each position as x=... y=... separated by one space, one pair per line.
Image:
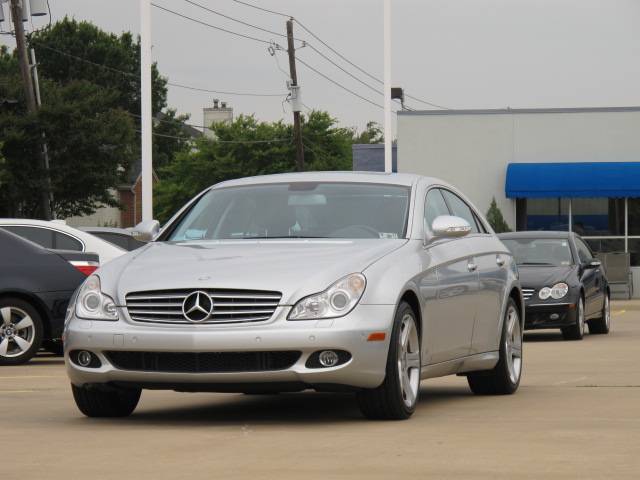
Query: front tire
x=114 y=402
x=576 y=331
x=602 y=325
x=20 y=331
x=397 y=397
x=504 y=379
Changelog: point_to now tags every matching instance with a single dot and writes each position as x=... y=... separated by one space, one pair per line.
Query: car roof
x=535 y=234
x=406 y=179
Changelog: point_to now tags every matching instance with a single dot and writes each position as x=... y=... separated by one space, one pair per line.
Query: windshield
x=540 y=251
x=297 y=210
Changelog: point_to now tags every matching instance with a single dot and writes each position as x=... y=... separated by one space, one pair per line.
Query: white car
x=56 y=235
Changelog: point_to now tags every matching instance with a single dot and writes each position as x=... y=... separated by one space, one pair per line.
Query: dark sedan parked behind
x=35 y=287
x=563 y=284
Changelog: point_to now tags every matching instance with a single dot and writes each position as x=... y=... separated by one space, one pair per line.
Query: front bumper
x=365 y=369
x=549 y=315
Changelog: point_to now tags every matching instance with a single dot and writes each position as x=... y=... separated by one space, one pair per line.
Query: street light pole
x=146 y=110
x=388 y=135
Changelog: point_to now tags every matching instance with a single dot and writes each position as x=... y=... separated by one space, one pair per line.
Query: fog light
x=84 y=358
x=328 y=358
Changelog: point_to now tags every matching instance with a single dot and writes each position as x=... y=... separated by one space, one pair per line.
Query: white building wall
x=103 y=217
x=471 y=150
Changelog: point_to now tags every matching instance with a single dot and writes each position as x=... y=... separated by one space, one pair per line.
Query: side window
x=41 y=236
x=584 y=253
x=434 y=207
x=65 y=242
x=460 y=209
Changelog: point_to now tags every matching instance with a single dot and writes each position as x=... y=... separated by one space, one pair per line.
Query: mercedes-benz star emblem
x=197 y=307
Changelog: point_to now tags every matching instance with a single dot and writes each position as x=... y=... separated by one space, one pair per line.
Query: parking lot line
x=618 y=312
x=31 y=376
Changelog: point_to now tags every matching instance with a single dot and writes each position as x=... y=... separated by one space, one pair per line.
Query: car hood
x=538 y=276
x=294 y=267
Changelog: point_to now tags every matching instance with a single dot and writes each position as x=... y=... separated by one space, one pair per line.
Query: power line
x=222 y=92
x=344 y=70
x=195 y=20
x=274 y=140
x=228 y=17
x=173 y=84
x=338 y=84
x=425 y=102
x=304 y=27
x=261 y=8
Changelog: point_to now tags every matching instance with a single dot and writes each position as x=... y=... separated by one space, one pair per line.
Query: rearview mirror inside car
x=146 y=231
x=448 y=226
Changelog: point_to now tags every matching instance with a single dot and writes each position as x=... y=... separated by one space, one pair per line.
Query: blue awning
x=571 y=180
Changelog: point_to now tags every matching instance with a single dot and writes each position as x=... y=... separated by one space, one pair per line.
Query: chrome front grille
x=229 y=306
x=527 y=293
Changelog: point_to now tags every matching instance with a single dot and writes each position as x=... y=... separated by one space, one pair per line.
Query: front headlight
x=336 y=301
x=556 y=292
x=92 y=304
x=559 y=290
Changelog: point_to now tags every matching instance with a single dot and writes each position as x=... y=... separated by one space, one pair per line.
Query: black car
x=563 y=284
x=35 y=287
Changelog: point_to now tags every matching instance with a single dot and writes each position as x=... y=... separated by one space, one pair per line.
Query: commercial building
x=548 y=169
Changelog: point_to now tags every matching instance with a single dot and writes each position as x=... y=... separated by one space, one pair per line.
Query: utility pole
x=297 y=125
x=27 y=81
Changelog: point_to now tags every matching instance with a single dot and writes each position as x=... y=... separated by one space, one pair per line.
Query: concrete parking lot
x=576 y=415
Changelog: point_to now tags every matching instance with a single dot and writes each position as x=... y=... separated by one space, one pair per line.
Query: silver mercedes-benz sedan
x=332 y=281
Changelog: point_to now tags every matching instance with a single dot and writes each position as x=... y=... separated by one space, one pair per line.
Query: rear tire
x=20 y=331
x=397 y=397
x=576 y=331
x=504 y=379
x=114 y=402
x=602 y=325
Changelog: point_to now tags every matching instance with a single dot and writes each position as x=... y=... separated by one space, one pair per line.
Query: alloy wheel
x=513 y=345
x=409 y=360
x=17 y=332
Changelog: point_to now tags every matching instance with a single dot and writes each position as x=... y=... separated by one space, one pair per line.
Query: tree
x=90 y=116
x=372 y=134
x=248 y=147
x=495 y=218
x=171 y=137
x=105 y=59
x=89 y=145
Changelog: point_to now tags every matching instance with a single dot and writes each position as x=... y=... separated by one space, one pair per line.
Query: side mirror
x=448 y=226
x=146 y=231
x=592 y=264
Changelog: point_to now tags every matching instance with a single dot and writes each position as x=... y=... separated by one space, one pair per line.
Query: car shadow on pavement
x=285 y=408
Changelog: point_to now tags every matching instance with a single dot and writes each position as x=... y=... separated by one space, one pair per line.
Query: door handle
x=500 y=261
x=472 y=266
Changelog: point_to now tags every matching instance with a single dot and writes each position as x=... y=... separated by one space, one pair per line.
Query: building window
x=605 y=245
x=634 y=216
x=598 y=217
x=634 y=250
x=543 y=214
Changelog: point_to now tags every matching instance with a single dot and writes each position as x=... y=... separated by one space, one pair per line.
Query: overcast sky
x=455 y=53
